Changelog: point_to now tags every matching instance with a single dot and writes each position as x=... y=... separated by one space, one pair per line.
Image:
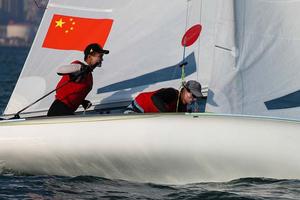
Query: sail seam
x=199 y=42
x=79 y=8
x=242 y=52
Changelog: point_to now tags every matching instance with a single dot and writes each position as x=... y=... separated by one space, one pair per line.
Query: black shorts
x=58 y=108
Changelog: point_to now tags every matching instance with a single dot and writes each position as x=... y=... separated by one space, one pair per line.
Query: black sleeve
x=77 y=76
x=164 y=97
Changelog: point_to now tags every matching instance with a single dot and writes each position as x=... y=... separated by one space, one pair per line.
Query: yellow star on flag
x=59 y=23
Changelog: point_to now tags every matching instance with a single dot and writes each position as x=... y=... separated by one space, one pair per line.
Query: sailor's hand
x=86 y=104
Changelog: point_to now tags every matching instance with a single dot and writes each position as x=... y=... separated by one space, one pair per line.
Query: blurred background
x=19 y=20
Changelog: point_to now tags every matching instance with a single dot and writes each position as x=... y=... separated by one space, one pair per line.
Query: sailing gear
x=163 y=100
x=166 y=100
x=194 y=87
x=144 y=102
x=72 y=94
x=90 y=49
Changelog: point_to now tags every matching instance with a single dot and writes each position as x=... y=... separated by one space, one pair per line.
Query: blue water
x=85 y=187
x=15 y=186
x=11 y=63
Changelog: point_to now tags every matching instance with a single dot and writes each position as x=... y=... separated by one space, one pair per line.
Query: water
x=86 y=187
x=11 y=62
x=15 y=186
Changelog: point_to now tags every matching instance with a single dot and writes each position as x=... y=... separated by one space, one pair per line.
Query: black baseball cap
x=194 y=87
x=94 y=47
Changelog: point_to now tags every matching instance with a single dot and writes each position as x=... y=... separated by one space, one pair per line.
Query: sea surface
x=16 y=186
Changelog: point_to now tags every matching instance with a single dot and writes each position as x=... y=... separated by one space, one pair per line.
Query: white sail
x=256 y=68
x=144 y=43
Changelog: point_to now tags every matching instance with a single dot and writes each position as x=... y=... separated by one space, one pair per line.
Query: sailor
x=166 y=99
x=76 y=82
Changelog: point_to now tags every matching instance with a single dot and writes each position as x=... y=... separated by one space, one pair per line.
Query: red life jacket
x=145 y=102
x=73 y=93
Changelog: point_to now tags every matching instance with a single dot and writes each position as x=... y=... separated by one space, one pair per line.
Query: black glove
x=86 y=104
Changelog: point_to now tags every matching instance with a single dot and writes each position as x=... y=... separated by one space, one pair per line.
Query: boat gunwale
x=114 y=117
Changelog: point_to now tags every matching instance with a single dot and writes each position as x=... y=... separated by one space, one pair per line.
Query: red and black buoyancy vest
x=145 y=102
x=73 y=93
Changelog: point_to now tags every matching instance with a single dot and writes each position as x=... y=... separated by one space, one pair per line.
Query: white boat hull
x=174 y=149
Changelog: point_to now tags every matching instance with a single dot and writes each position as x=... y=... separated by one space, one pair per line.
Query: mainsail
x=256 y=63
x=144 y=41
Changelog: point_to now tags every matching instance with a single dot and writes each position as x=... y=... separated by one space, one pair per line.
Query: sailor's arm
x=163 y=98
x=68 y=69
x=75 y=71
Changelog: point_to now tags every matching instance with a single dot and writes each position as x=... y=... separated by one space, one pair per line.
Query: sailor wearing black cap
x=76 y=82
x=166 y=99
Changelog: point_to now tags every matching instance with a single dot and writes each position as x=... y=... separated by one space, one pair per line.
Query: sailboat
x=246 y=57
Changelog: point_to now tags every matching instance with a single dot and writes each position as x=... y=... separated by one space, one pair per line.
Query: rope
x=182 y=65
x=184 y=47
x=40 y=5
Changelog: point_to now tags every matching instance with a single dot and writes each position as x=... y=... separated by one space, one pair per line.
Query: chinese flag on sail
x=75 y=33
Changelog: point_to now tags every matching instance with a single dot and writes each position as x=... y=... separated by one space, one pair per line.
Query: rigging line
x=187 y=15
x=178 y=98
x=39 y=6
x=182 y=65
x=17 y=115
x=201 y=11
x=224 y=48
x=186 y=25
x=197 y=71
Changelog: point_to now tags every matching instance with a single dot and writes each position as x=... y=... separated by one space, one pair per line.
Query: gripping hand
x=86 y=104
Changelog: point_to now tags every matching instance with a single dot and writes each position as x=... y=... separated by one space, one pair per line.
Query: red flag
x=75 y=33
